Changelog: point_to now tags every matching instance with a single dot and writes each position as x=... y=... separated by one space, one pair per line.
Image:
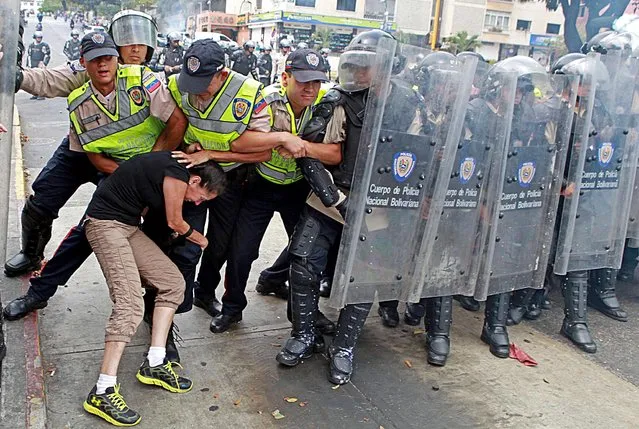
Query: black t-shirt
x=134 y=186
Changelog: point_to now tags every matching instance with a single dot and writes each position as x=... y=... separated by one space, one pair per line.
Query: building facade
x=508 y=27
x=267 y=21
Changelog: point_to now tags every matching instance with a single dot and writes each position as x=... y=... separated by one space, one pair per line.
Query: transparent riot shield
x=9 y=19
x=401 y=152
x=448 y=259
x=520 y=233
x=602 y=173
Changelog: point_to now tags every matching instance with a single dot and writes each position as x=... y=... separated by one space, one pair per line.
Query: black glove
x=342 y=207
x=19 y=78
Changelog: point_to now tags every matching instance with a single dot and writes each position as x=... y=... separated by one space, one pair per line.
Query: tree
x=601 y=14
x=322 y=38
x=460 y=42
x=50 y=6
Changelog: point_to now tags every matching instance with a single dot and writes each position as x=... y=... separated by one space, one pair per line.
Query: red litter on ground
x=516 y=353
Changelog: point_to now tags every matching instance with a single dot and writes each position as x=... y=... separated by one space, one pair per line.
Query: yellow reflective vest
x=133 y=130
x=225 y=119
x=278 y=169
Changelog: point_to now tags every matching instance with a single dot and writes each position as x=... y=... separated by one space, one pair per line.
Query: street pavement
x=53 y=358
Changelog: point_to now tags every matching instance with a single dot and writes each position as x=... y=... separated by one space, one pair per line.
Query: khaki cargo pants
x=126 y=255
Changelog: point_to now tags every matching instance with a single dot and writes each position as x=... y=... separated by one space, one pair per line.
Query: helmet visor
x=356 y=70
x=134 y=30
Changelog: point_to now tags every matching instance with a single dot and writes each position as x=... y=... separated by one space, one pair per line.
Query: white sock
x=156 y=355
x=104 y=382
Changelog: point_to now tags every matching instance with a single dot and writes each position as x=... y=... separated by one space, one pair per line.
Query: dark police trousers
x=262 y=201
x=222 y=215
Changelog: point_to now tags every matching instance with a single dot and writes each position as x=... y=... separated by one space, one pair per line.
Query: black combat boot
x=628 y=264
x=439 y=312
x=535 y=305
x=494 y=332
x=414 y=312
x=467 y=302
x=304 y=303
x=575 y=327
x=36 y=233
x=349 y=328
x=602 y=296
x=519 y=303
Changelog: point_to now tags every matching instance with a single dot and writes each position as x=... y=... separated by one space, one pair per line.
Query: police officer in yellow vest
x=220 y=106
x=280 y=185
x=120 y=112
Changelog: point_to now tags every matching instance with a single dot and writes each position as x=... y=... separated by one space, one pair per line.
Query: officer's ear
x=82 y=62
x=285 y=78
x=224 y=73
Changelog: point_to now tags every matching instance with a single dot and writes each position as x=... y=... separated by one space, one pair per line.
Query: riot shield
x=448 y=262
x=521 y=231
x=401 y=152
x=603 y=166
x=9 y=18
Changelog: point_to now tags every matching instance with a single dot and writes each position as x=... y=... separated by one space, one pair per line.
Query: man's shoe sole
x=154 y=381
x=95 y=411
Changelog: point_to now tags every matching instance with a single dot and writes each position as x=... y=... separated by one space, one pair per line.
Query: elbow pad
x=320 y=180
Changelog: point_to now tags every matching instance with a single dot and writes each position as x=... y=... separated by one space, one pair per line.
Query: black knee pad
x=302 y=276
x=304 y=236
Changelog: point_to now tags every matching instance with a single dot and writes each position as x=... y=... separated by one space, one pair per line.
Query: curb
x=35 y=399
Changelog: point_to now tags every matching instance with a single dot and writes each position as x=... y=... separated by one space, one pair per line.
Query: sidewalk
x=237 y=382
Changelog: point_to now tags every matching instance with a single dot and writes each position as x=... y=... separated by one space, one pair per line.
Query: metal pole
x=434 y=32
x=9 y=18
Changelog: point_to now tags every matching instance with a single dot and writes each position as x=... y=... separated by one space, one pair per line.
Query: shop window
x=346 y=5
x=523 y=25
x=553 y=28
x=305 y=3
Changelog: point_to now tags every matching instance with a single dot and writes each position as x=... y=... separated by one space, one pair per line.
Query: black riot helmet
x=593 y=44
x=440 y=60
x=466 y=54
x=248 y=45
x=359 y=56
x=564 y=60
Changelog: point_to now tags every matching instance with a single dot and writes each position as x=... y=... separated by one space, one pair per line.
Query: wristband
x=188 y=233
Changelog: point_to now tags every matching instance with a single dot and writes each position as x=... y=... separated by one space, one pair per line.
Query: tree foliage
x=322 y=38
x=460 y=42
x=51 y=6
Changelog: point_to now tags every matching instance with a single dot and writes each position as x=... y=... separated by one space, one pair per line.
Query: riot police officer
x=172 y=55
x=38 y=55
x=245 y=61
x=285 y=49
x=327 y=65
x=320 y=225
x=265 y=66
x=72 y=46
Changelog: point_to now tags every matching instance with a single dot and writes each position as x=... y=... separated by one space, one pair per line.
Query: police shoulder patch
x=241 y=107
x=137 y=95
x=152 y=83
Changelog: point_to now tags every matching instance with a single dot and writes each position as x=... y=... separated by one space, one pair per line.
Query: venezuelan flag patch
x=152 y=84
x=260 y=104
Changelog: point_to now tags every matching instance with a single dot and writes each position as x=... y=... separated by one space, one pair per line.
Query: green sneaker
x=164 y=376
x=111 y=407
